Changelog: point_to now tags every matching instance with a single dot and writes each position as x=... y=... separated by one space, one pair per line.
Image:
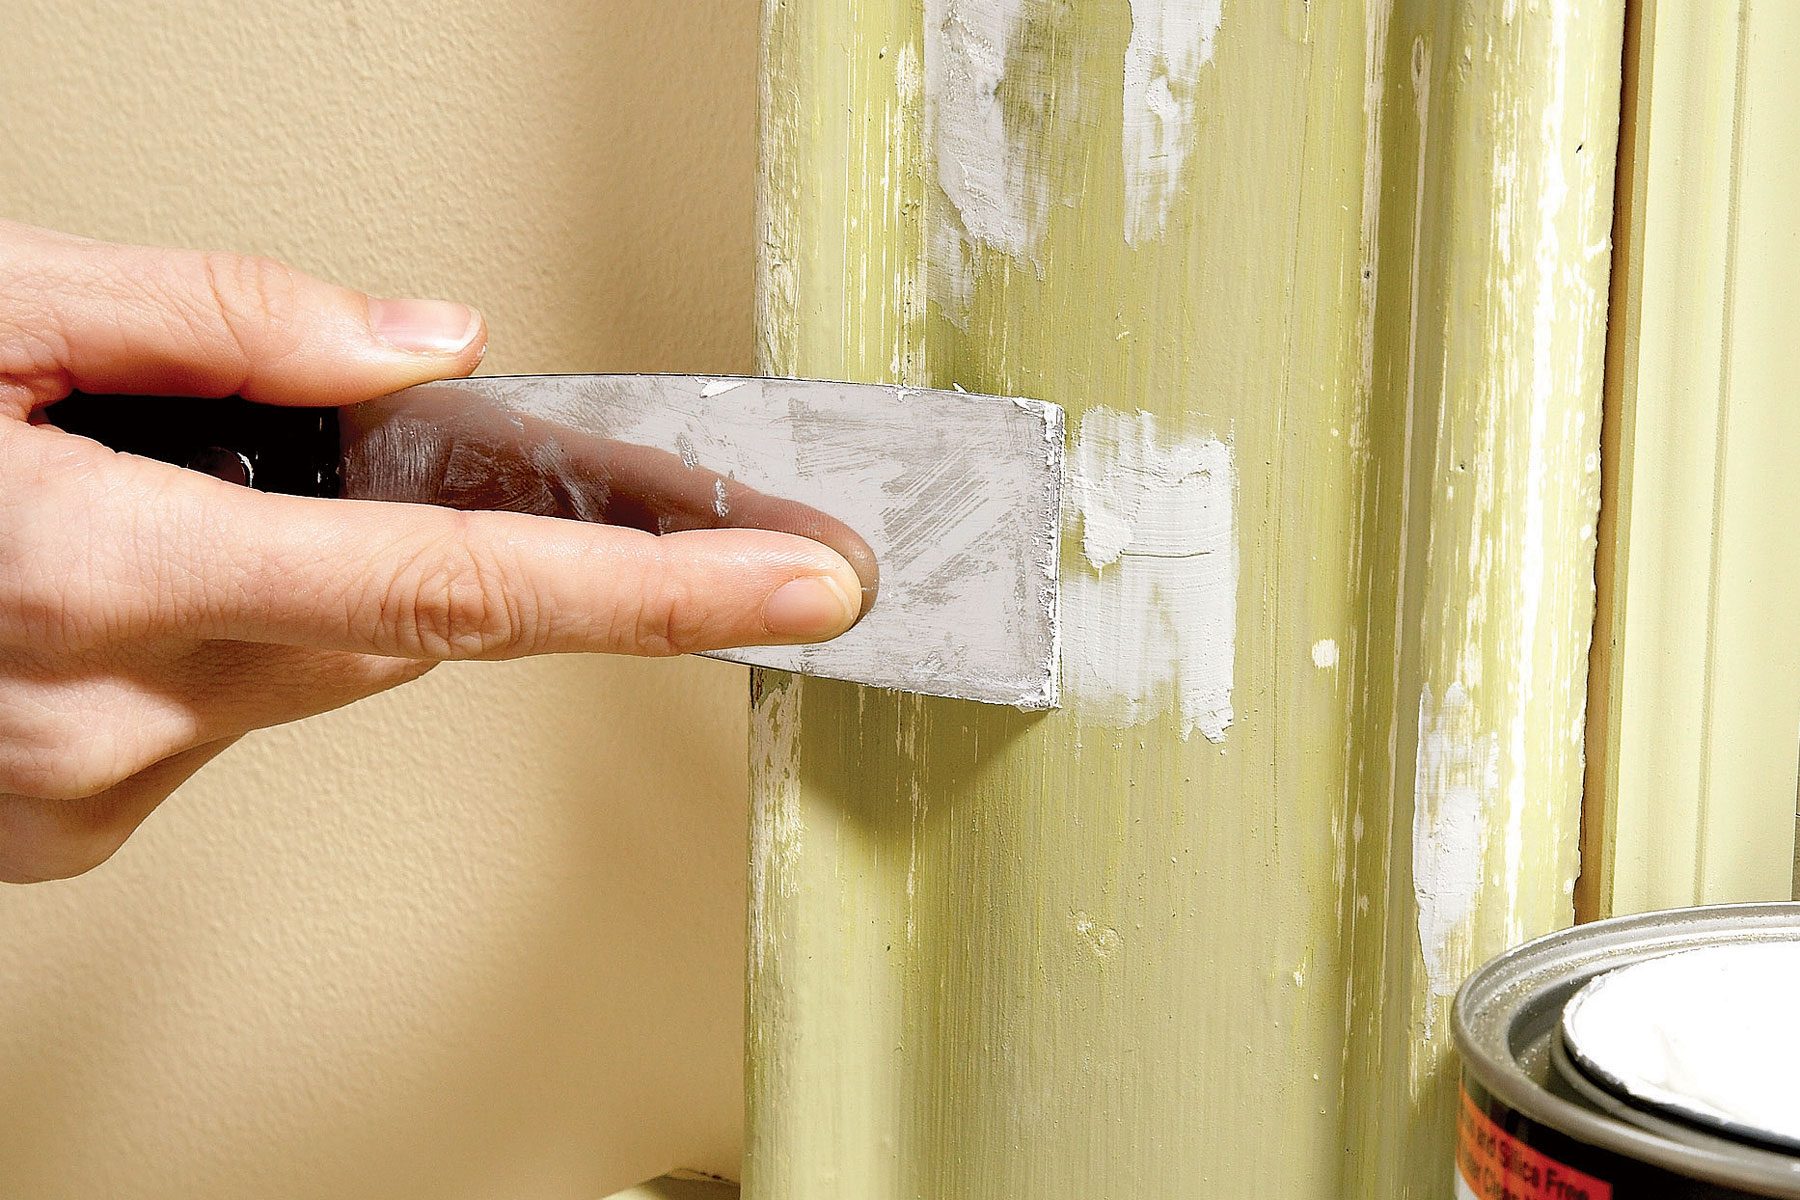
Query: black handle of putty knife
x=273 y=448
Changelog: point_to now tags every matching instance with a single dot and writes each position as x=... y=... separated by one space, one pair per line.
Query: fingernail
x=424 y=326
x=813 y=608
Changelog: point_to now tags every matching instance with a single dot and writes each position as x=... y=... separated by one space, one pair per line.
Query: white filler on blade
x=958 y=497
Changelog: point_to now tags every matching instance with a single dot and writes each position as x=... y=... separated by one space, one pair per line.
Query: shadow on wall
x=680 y=1189
x=483 y=936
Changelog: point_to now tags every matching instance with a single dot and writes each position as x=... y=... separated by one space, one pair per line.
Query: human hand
x=150 y=616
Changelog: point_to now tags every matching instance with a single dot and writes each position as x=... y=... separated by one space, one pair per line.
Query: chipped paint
x=1545 y=394
x=1325 y=654
x=1171 y=42
x=1150 y=625
x=1101 y=939
x=777 y=828
x=1374 y=106
x=1456 y=784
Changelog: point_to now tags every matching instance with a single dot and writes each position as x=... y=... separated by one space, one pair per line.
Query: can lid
x=1708 y=1035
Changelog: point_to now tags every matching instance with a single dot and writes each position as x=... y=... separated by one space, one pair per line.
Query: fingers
x=42 y=840
x=413 y=581
x=80 y=314
x=123 y=548
x=241 y=686
x=681 y=498
x=462 y=451
x=84 y=759
x=72 y=729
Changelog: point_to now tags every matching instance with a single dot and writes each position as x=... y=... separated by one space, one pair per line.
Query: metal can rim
x=1492 y=999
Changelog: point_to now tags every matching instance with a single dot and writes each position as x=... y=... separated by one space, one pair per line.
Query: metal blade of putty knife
x=947 y=504
x=957 y=497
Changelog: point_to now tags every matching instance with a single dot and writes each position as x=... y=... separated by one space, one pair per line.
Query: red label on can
x=1492 y=1164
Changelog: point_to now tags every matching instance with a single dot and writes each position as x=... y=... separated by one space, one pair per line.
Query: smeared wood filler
x=1456 y=782
x=1150 y=625
x=998 y=194
x=1171 y=40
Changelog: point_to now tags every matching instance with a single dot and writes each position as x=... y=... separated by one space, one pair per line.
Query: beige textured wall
x=483 y=937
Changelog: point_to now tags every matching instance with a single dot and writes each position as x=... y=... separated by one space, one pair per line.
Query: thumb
x=99 y=317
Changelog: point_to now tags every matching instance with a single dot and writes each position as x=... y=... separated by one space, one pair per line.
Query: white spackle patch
x=1152 y=627
x=1171 y=40
x=1325 y=654
x=1000 y=199
x=1455 y=785
x=950 y=280
x=776 y=825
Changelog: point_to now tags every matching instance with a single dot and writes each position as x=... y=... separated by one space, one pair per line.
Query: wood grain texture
x=1099 y=953
x=1696 y=688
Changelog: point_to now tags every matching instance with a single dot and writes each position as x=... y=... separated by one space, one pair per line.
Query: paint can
x=1547 y=1112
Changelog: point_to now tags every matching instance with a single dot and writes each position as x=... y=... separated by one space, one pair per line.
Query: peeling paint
x=1456 y=783
x=1171 y=41
x=777 y=829
x=1151 y=626
x=904 y=185
x=1369 y=239
x=1545 y=394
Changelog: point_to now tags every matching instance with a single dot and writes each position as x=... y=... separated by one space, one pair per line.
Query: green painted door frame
x=1323 y=287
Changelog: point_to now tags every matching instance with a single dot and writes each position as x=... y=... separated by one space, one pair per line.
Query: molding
x=1696 y=682
x=1323 y=288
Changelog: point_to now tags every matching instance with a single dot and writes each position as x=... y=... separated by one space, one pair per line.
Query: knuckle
x=46 y=609
x=43 y=840
x=58 y=756
x=256 y=297
x=455 y=604
x=34 y=611
x=668 y=620
x=33 y=355
x=55 y=590
x=34 y=346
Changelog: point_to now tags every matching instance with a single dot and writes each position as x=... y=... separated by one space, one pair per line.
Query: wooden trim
x=1599 y=817
x=1350 y=261
x=1696 y=675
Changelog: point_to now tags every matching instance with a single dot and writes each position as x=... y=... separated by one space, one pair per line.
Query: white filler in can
x=1710 y=1036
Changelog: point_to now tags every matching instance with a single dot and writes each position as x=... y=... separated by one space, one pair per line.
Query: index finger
x=472 y=455
x=213 y=560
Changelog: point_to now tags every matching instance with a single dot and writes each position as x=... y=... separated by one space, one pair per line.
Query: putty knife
x=948 y=504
